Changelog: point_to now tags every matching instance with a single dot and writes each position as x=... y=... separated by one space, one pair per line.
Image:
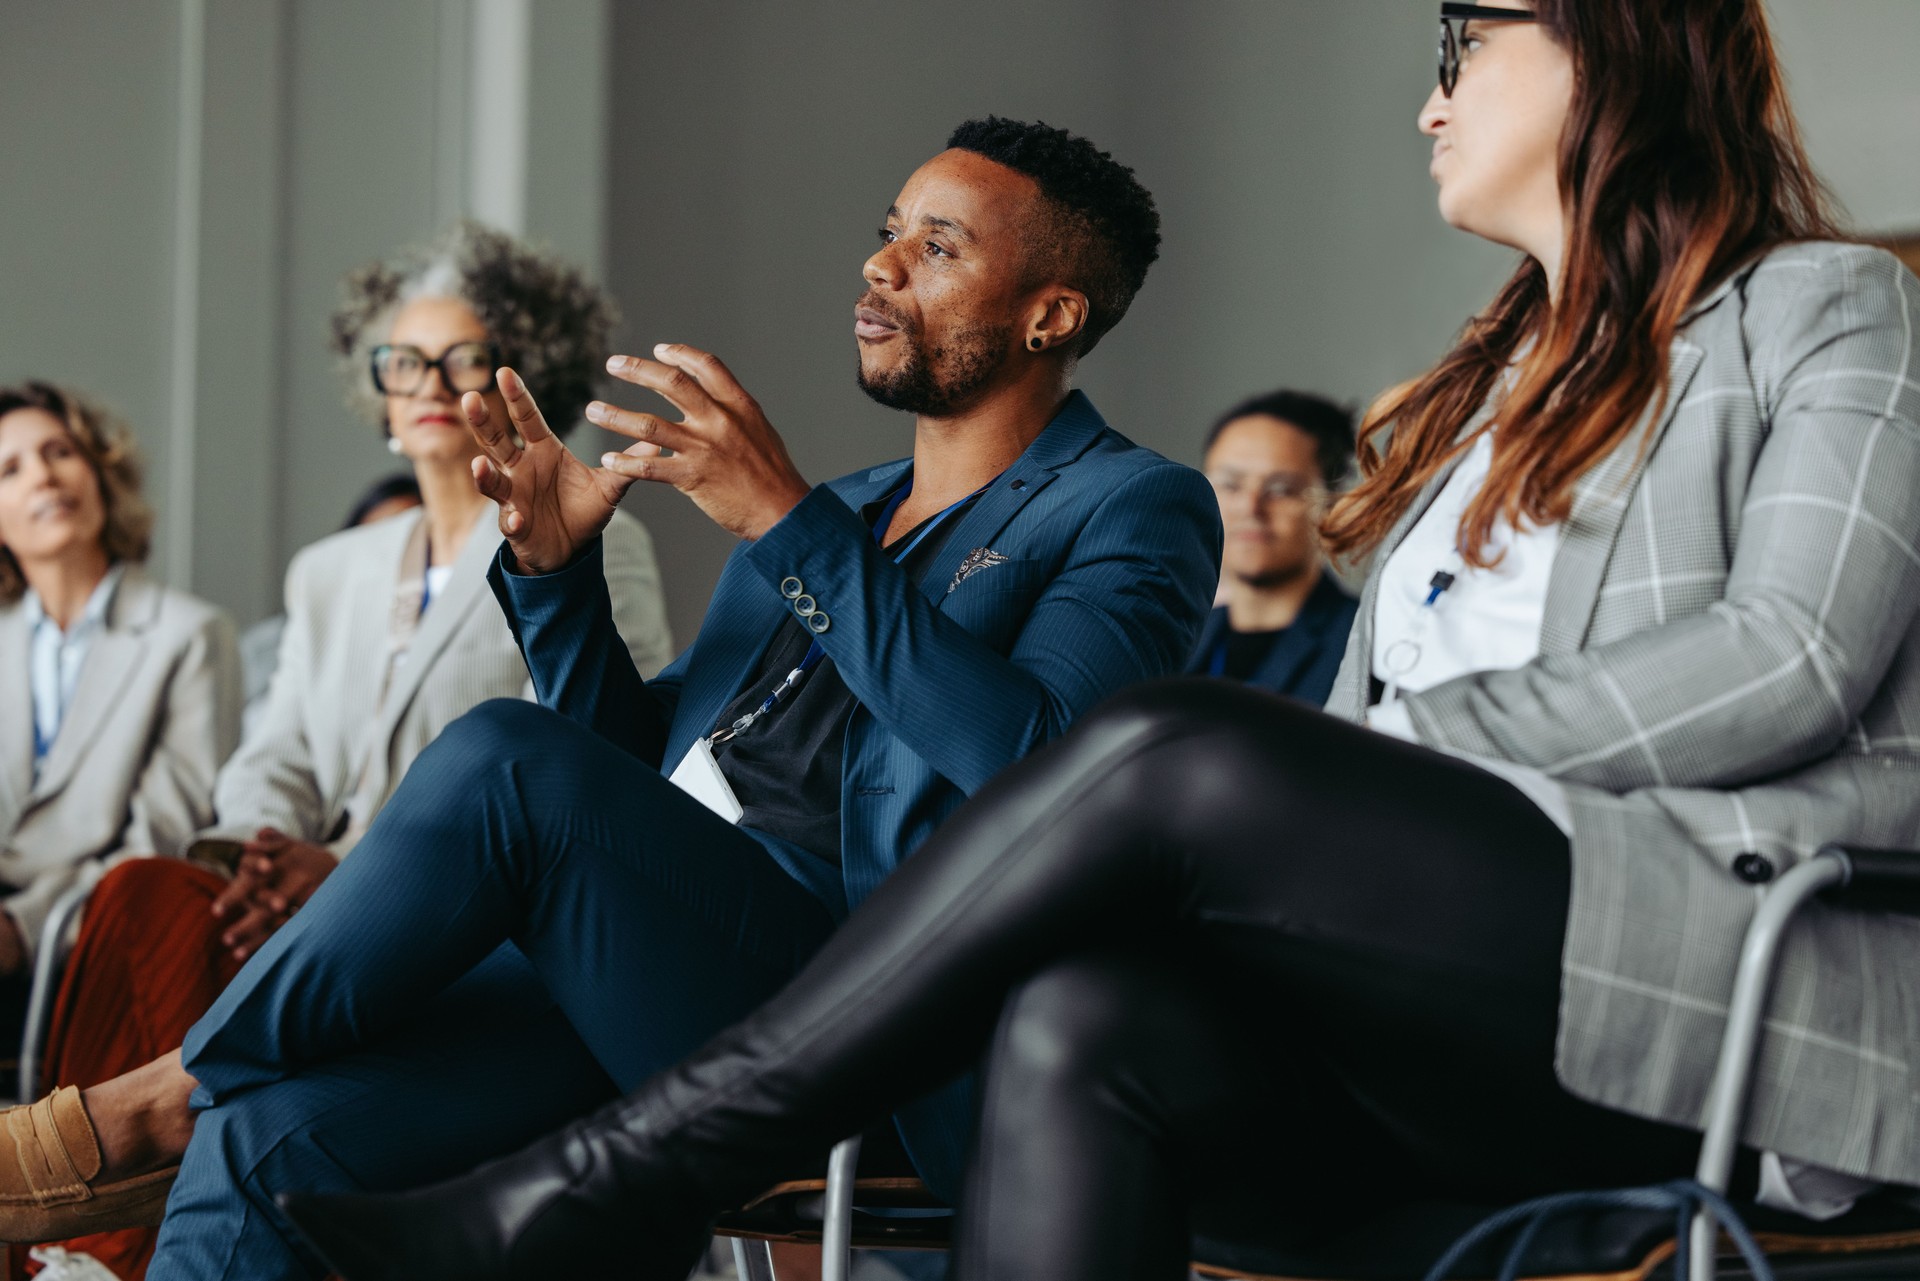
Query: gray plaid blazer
x=1729 y=664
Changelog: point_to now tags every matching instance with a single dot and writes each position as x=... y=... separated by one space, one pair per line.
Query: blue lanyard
x=814 y=652
x=1217 y=665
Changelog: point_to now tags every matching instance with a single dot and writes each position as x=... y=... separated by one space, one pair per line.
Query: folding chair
x=1878 y=1240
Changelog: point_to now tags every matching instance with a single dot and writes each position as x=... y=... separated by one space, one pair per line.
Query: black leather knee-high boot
x=1054 y=855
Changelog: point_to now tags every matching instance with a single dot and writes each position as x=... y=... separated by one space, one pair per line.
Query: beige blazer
x=156 y=711
x=1729 y=676
x=325 y=733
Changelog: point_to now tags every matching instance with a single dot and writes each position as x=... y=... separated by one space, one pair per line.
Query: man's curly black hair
x=1102 y=231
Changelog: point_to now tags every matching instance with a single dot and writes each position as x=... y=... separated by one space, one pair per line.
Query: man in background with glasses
x=1282 y=622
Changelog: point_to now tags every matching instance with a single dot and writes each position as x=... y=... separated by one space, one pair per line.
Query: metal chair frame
x=1832 y=868
x=48 y=964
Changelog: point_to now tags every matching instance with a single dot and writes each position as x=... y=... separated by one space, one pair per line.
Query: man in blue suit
x=1283 y=623
x=540 y=918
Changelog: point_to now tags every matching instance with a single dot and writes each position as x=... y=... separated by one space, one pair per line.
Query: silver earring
x=394 y=446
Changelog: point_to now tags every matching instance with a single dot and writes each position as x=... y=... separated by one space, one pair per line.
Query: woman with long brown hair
x=1645 y=566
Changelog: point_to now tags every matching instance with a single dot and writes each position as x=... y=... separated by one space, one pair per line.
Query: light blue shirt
x=55 y=658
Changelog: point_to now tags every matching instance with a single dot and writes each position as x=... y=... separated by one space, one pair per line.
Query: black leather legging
x=1234 y=949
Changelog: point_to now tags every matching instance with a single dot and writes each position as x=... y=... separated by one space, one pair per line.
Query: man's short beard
x=937 y=383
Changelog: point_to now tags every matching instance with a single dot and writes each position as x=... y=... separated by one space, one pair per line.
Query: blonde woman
x=121 y=697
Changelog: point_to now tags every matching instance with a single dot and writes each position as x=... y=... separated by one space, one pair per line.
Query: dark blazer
x=1306 y=657
x=1085 y=567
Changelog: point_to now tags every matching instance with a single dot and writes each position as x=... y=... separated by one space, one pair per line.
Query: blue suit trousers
x=536 y=921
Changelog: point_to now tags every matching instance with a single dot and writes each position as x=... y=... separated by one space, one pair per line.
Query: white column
x=497 y=115
x=184 y=356
x=225 y=343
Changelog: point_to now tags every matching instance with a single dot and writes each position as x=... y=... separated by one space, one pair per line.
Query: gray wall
x=186 y=180
x=86 y=204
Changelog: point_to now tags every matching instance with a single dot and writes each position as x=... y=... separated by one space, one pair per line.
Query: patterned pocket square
x=976 y=560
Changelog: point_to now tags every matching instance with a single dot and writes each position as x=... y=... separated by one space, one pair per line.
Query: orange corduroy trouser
x=146 y=966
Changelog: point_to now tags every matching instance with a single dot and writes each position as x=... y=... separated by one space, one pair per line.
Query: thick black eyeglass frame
x=1450 y=42
x=379 y=353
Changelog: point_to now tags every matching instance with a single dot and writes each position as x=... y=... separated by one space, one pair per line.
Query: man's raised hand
x=551 y=503
x=726 y=455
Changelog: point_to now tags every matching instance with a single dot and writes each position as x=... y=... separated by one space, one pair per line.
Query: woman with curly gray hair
x=391 y=633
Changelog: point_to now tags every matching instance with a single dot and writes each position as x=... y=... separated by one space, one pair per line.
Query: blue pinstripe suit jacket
x=1105 y=557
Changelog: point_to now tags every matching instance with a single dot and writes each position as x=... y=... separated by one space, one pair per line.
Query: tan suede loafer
x=48 y=1161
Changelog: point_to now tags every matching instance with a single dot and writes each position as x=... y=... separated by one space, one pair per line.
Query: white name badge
x=699 y=776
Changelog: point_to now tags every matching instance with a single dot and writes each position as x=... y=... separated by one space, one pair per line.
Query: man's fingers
x=252 y=943
x=704 y=368
x=649 y=428
x=681 y=389
x=491 y=481
x=527 y=419
x=664 y=471
x=249 y=930
x=493 y=435
x=229 y=900
x=265 y=841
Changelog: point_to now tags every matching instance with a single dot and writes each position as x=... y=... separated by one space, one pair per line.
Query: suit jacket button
x=819 y=622
x=1754 y=869
x=805 y=605
x=791 y=587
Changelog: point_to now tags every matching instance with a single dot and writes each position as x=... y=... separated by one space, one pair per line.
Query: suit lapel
x=1299 y=643
x=1068 y=435
x=727 y=659
x=981 y=523
x=1600 y=502
x=111 y=661
x=445 y=615
x=16 y=732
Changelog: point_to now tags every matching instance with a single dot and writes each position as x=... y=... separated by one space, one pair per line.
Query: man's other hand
x=726 y=455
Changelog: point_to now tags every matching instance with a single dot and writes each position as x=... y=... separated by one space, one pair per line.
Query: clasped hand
x=725 y=456
x=274 y=878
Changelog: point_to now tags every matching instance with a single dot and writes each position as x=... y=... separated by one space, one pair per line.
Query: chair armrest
x=1878 y=880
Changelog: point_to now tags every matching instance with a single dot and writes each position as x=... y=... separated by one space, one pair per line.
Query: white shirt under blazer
x=327 y=735
x=1728 y=676
x=155 y=711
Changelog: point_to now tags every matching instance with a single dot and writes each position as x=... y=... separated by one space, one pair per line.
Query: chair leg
x=47 y=966
x=836 y=1233
x=753 y=1260
x=1747 y=1008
